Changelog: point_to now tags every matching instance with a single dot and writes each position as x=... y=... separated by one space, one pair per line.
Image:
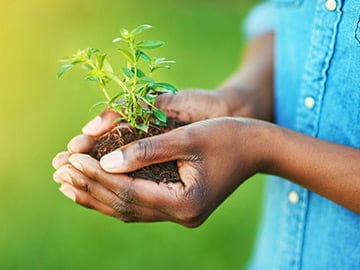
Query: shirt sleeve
x=261 y=20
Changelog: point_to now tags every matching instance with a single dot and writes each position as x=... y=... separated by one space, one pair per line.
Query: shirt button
x=331 y=5
x=293 y=197
x=309 y=102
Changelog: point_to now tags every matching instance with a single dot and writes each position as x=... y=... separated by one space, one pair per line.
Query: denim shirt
x=317 y=92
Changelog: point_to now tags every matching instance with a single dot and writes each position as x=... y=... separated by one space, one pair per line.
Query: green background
x=42 y=229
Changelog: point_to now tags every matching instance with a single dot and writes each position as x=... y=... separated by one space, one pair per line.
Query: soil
x=124 y=134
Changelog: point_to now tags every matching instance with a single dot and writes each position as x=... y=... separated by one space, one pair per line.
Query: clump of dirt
x=124 y=134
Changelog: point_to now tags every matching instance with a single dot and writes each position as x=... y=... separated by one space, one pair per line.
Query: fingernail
x=92 y=127
x=75 y=161
x=78 y=143
x=61 y=176
x=112 y=162
x=68 y=192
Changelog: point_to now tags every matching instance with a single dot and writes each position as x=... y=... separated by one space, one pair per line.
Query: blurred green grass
x=40 y=228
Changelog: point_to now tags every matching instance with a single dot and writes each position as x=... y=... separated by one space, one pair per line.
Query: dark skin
x=210 y=169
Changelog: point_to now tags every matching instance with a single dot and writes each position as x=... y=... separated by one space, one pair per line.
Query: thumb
x=101 y=123
x=158 y=149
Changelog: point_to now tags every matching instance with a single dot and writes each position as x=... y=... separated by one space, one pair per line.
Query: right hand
x=214 y=157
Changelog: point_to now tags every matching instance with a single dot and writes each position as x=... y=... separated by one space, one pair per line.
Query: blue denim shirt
x=317 y=92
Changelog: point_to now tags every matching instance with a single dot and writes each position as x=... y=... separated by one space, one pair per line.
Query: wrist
x=260 y=141
x=238 y=100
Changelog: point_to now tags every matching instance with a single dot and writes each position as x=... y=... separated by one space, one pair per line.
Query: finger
x=81 y=144
x=60 y=159
x=101 y=123
x=158 y=201
x=136 y=191
x=106 y=199
x=84 y=199
x=173 y=145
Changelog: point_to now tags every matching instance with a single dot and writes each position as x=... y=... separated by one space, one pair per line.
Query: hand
x=214 y=157
x=189 y=106
x=193 y=105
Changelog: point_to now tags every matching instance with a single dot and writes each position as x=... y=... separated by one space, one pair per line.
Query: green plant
x=137 y=89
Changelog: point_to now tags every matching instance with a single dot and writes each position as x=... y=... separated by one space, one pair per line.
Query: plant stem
x=105 y=93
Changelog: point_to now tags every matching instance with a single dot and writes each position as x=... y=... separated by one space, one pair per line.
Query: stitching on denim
x=357 y=31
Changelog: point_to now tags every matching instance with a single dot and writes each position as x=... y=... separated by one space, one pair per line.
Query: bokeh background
x=39 y=227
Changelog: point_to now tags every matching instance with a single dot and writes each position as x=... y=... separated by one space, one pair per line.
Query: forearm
x=329 y=169
x=249 y=92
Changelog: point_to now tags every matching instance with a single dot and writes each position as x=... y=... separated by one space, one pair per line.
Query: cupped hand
x=214 y=157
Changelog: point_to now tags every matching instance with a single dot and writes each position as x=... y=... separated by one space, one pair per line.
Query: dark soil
x=123 y=134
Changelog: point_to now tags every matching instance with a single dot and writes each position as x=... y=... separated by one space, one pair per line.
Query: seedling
x=135 y=97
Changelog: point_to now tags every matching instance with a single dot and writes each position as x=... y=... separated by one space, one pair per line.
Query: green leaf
x=127 y=72
x=91 y=51
x=117 y=39
x=139 y=72
x=142 y=127
x=63 y=69
x=139 y=29
x=146 y=57
x=160 y=115
x=125 y=33
x=107 y=67
x=98 y=104
x=145 y=80
x=149 y=44
x=100 y=58
x=92 y=78
x=147 y=99
x=127 y=55
x=164 y=86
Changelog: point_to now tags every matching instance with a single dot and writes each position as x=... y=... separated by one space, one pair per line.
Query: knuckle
x=126 y=193
x=121 y=207
x=96 y=174
x=143 y=150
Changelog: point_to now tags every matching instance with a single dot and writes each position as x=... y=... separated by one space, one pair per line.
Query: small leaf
x=107 y=67
x=164 y=61
x=91 y=51
x=100 y=60
x=139 y=72
x=66 y=59
x=146 y=57
x=127 y=72
x=127 y=55
x=166 y=86
x=98 y=104
x=63 y=69
x=142 y=127
x=149 y=44
x=147 y=99
x=117 y=39
x=92 y=78
x=160 y=115
x=145 y=80
x=141 y=28
x=125 y=33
